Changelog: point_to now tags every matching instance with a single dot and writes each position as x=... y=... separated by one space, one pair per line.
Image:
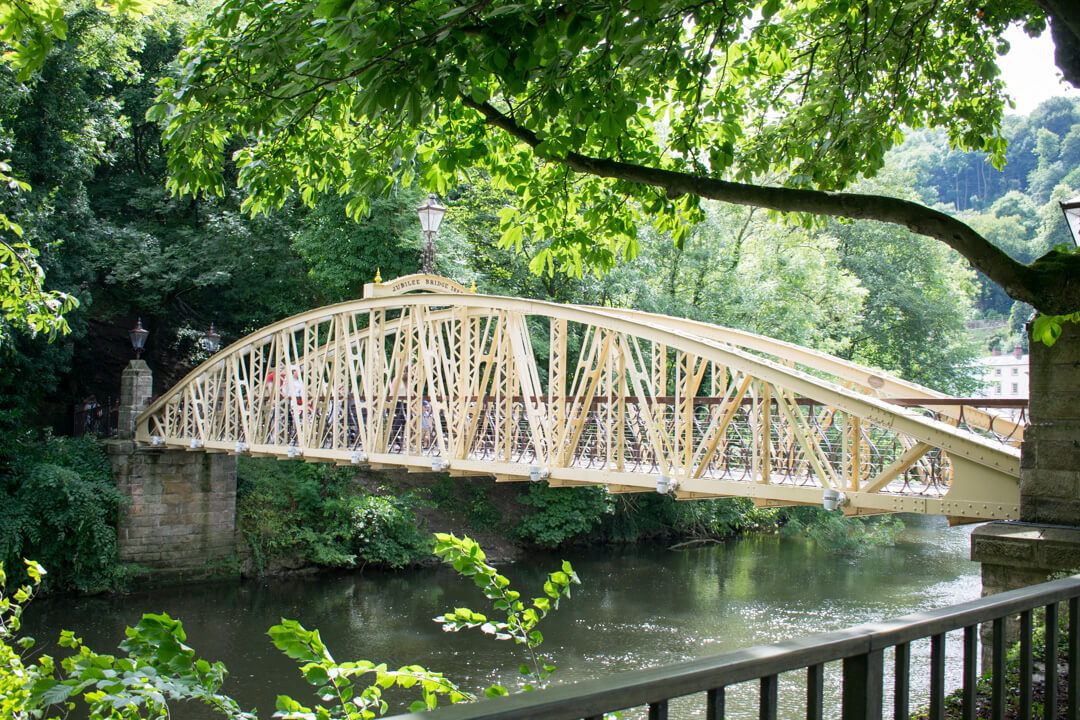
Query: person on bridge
x=296 y=394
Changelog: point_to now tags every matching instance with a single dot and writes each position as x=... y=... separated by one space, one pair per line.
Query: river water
x=637 y=607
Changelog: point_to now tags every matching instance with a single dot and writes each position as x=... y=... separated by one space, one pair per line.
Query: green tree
x=341 y=255
x=109 y=232
x=599 y=114
x=28 y=29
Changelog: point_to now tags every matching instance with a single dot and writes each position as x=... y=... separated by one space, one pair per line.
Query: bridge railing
x=1012 y=409
x=598 y=446
x=861 y=652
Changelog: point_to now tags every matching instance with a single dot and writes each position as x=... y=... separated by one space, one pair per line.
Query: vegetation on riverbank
x=60 y=505
x=295 y=514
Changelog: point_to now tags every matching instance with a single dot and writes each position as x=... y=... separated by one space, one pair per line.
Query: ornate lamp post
x=1071 y=209
x=138 y=338
x=211 y=340
x=431 y=215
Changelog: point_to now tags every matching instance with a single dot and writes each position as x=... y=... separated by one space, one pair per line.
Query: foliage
x=1047 y=328
x=577 y=514
x=385 y=530
x=602 y=117
x=158 y=669
x=342 y=255
x=561 y=514
x=295 y=510
x=719 y=79
x=918 y=296
x=27 y=31
x=837 y=533
x=466 y=557
x=316 y=514
x=656 y=516
x=60 y=504
x=108 y=232
x=465 y=500
x=24 y=303
x=335 y=682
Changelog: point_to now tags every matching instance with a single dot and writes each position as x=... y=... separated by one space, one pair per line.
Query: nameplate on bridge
x=418 y=282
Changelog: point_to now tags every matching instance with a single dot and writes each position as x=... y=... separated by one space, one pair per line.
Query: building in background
x=1004 y=376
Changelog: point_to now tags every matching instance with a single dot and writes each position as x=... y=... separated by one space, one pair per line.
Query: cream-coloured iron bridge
x=423 y=374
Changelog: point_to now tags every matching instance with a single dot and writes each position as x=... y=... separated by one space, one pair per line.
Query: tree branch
x=1051 y=284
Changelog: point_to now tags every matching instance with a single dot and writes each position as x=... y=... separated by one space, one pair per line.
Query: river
x=637 y=607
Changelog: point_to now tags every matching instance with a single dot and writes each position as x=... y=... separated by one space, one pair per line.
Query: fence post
x=862 y=694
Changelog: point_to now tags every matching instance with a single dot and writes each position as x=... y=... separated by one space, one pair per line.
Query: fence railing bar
x=1026 y=666
x=815 y=692
x=997 y=680
x=658 y=710
x=937 y=677
x=971 y=651
x=767 y=703
x=1051 y=662
x=1074 y=659
x=902 y=682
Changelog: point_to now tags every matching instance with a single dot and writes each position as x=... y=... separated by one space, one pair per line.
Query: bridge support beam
x=1046 y=540
x=178 y=523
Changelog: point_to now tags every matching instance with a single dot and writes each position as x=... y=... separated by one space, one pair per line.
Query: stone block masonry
x=180 y=519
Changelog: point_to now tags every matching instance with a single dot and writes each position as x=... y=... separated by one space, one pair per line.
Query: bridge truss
x=575 y=395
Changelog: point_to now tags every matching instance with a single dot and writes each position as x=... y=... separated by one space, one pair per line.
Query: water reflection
x=638 y=607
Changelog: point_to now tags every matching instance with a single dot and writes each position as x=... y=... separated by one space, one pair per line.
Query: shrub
x=60 y=506
x=838 y=533
x=562 y=514
x=465 y=500
x=651 y=515
x=385 y=532
x=294 y=509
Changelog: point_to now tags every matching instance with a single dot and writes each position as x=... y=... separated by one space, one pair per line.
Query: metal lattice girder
x=630 y=400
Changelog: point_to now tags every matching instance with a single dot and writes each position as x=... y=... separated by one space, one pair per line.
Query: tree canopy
x=601 y=115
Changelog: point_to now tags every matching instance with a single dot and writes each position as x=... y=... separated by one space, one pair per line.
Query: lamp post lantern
x=431 y=215
x=1071 y=209
x=211 y=340
x=138 y=337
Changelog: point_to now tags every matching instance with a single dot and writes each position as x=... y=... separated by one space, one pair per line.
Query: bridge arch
x=526 y=389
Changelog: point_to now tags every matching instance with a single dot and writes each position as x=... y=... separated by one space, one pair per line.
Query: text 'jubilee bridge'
x=424 y=374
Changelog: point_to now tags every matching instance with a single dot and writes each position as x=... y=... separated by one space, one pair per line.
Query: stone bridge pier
x=1046 y=539
x=179 y=522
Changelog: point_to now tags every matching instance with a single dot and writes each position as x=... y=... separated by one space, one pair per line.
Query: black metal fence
x=92 y=417
x=860 y=650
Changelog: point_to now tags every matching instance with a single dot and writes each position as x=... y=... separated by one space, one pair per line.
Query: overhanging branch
x=1051 y=285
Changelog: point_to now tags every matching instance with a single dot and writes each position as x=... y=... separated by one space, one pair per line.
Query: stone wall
x=180 y=519
x=1050 y=461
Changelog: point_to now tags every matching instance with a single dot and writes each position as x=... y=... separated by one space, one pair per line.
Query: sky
x=1029 y=71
